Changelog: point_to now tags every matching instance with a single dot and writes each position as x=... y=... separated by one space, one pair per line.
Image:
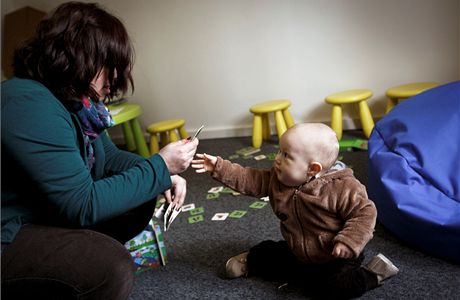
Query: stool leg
x=366 y=118
x=257 y=131
x=139 y=139
x=336 y=120
x=265 y=127
x=173 y=136
x=129 y=136
x=280 y=123
x=288 y=118
x=391 y=103
x=183 y=133
x=154 y=149
x=164 y=140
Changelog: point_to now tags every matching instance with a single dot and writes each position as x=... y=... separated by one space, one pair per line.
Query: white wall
x=208 y=61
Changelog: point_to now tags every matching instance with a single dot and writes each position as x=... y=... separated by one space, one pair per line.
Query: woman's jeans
x=46 y=262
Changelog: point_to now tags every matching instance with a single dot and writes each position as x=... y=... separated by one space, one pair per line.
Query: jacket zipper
x=299 y=221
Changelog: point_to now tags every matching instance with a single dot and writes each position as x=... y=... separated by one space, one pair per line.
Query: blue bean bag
x=414 y=171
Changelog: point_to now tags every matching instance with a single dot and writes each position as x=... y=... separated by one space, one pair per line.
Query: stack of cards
x=168 y=214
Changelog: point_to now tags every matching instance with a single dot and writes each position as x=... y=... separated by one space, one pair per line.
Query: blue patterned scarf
x=94 y=119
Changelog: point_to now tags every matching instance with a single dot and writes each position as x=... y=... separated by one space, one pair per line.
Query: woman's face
x=101 y=83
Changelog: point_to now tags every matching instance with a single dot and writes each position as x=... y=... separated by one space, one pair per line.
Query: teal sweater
x=45 y=178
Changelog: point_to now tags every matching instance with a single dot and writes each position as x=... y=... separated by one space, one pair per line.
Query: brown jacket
x=332 y=208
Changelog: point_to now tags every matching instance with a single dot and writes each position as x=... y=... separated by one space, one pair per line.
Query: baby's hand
x=342 y=251
x=204 y=162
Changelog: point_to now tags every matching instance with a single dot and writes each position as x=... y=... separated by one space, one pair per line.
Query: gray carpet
x=197 y=252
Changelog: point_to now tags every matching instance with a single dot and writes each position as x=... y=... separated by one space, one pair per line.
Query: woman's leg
x=60 y=263
x=56 y=263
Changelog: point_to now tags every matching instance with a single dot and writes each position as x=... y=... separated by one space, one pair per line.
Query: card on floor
x=195 y=219
x=211 y=196
x=188 y=207
x=271 y=156
x=216 y=189
x=227 y=190
x=247 y=151
x=237 y=214
x=196 y=211
x=220 y=216
x=258 y=204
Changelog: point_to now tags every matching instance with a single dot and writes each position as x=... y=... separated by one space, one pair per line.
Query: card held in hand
x=170 y=215
x=167 y=213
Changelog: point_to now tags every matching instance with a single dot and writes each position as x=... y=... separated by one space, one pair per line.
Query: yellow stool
x=261 y=122
x=351 y=96
x=126 y=114
x=167 y=130
x=401 y=92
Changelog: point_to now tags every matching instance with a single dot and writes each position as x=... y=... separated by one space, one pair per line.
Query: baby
x=325 y=216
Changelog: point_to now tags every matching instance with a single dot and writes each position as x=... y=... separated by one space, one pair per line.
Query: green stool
x=126 y=114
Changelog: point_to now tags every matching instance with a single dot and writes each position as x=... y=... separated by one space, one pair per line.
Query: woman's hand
x=178 y=155
x=176 y=194
x=205 y=162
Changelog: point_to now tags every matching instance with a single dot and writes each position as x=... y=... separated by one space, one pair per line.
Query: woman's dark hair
x=71 y=46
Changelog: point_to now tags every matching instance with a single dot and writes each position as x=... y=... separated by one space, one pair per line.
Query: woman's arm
x=39 y=132
x=117 y=160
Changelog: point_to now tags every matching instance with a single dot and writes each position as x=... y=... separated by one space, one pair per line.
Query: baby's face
x=291 y=162
x=304 y=150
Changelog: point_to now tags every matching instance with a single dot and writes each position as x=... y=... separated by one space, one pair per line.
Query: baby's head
x=306 y=150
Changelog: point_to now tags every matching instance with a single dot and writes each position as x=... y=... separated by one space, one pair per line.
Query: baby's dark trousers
x=338 y=279
x=50 y=262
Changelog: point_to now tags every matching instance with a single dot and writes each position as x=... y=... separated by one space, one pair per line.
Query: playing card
x=216 y=189
x=170 y=214
x=195 y=219
x=237 y=214
x=220 y=217
x=258 y=204
x=211 y=196
x=188 y=207
x=197 y=132
x=196 y=211
x=173 y=216
x=247 y=151
x=167 y=215
x=160 y=212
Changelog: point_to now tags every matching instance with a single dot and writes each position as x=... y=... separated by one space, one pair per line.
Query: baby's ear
x=314 y=168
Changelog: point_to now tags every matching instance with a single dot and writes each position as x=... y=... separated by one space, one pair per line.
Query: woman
x=70 y=198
